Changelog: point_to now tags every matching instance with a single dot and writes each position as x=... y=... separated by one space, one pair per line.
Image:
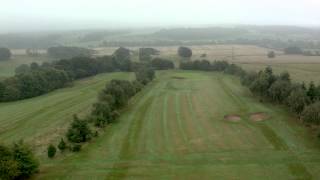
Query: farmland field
x=176 y=129
x=42 y=120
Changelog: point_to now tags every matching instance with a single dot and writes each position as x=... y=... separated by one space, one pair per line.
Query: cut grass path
x=174 y=129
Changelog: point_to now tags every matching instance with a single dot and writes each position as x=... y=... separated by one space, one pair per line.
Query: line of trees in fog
x=34 y=80
x=301 y=99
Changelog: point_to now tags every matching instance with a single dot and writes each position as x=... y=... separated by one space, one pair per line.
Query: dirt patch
x=232 y=118
x=259 y=116
x=177 y=77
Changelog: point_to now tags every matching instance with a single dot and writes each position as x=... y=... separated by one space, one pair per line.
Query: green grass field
x=44 y=119
x=175 y=129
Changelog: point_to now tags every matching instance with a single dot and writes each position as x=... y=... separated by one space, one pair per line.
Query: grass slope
x=44 y=119
x=174 y=129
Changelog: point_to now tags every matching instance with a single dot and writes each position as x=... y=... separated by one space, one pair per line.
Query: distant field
x=44 y=119
x=299 y=72
x=175 y=129
x=302 y=68
x=7 y=67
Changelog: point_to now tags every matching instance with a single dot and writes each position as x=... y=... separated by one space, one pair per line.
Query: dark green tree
x=62 y=145
x=297 y=100
x=79 y=131
x=51 y=151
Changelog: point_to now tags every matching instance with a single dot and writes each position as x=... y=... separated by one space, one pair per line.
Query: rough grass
x=175 y=129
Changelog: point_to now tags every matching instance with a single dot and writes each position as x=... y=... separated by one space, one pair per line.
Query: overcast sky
x=30 y=15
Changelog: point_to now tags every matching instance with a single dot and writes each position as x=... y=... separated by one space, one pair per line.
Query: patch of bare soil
x=232 y=118
x=259 y=116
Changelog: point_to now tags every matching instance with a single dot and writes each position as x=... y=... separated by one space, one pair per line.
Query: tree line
x=301 y=99
x=106 y=110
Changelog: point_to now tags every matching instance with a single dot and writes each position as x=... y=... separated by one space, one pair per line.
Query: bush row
x=111 y=99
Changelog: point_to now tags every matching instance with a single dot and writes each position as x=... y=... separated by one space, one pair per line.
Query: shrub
x=62 y=145
x=76 y=148
x=51 y=151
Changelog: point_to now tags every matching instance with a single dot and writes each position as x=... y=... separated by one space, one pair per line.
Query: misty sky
x=29 y=15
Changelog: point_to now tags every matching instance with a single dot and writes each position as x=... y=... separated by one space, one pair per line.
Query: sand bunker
x=259 y=116
x=232 y=118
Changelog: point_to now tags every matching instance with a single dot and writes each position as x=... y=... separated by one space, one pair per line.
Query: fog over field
x=40 y=15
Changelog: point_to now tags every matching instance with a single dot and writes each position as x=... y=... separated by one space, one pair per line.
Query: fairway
x=44 y=119
x=175 y=129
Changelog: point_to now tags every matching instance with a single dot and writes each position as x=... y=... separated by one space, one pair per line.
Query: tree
x=5 y=54
x=312 y=91
x=311 y=114
x=271 y=54
x=79 y=131
x=285 y=76
x=297 y=100
x=27 y=164
x=62 y=145
x=184 y=52
x=144 y=75
x=9 y=168
x=145 y=54
x=51 y=151
x=122 y=59
x=102 y=113
x=280 y=90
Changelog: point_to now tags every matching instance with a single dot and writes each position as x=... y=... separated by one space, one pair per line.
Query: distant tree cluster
x=17 y=162
x=162 y=64
x=205 y=65
x=293 y=50
x=145 y=54
x=34 y=80
x=5 y=54
x=66 y=52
